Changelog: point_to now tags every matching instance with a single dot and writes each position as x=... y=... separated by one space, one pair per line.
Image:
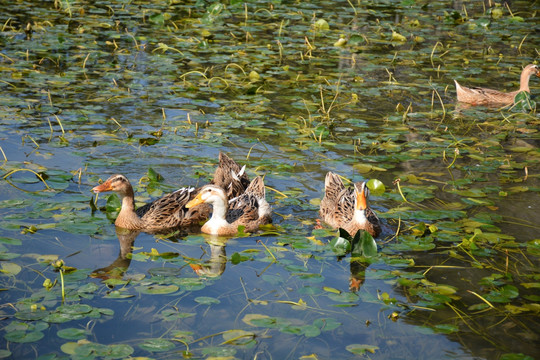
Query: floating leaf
x=515 y=356
x=322 y=25
x=154 y=176
x=157 y=345
x=360 y=349
x=9 y=268
x=10 y=241
x=206 y=300
x=376 y=187
x=327 y=324
x=445 y=328
x=158 y=289
x=363 y=244
x=74 y=309
x=21 y=336
x=345 y=297
x=238 y=337
x=72 y=333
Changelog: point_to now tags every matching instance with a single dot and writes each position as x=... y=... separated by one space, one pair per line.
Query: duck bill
x=106 y=186
x=195 y=201
x=361 y=202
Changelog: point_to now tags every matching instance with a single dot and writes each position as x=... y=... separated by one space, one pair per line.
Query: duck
x=250 y=209
x=230 y=176
x=347 y=208
x=483 y=96
x=167 y=212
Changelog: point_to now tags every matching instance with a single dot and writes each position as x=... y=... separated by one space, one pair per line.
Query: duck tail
x=256 y=188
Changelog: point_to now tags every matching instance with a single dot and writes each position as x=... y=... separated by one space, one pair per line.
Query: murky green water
x=92 y=89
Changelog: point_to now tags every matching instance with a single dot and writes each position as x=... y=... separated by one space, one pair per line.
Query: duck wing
x=230 y=176
x=337 y=205
x=250 y=209
x=168 y=211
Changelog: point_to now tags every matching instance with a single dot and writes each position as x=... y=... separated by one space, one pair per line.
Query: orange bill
x=106 y=186
x=195 y=201
x=361 y=202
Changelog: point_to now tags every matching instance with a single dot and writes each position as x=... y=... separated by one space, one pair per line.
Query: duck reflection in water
x=358 y=275
x=118 y=267
x=215 y=265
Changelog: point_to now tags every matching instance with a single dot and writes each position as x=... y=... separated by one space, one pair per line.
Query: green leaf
x=154 y=176
x=9 y=268
x=522 y=101
x=21 y=336
x=206 y=300
x=514 y=356
x=360 y=349
x=10 y=241
x=344 y=297
x=31 y=315
x=157 y=289
x=75 y=309
x=258 y=320
x=119 y=351
x=113 y=204
x=363 y=244
x=322 y=25
x=239 y=337
x=158 y=19
x=72 y=333
x=376 y=187
x=310 y=331
x=157 y=345
x=342 y=243
x=327 y=324
x=446 y=328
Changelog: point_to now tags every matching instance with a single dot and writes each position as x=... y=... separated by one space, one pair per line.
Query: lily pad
x=157 y=345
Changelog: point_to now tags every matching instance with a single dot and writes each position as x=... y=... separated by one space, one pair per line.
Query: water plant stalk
x=32 y=171
x=396 y=182
x=264 y=245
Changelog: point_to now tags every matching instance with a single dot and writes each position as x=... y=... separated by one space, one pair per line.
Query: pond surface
x=293 y=90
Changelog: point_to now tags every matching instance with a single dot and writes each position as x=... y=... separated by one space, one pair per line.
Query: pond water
x=293 y=90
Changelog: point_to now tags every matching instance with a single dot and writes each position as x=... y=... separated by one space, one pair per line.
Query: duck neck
x=360 y=216
x=127 y=218
x=524 y=81
x=218 y=224
x=219 y=210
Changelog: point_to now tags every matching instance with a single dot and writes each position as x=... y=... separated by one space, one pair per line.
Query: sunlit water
x=125 y=107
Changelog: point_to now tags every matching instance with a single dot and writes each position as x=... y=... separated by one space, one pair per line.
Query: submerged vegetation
x=155 y=90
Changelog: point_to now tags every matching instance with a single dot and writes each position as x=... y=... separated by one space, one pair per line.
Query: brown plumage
x=166 y=212
x=230 y=176
x=347 y=208
x=483 y=96
x=250 y=209
x=169 y=211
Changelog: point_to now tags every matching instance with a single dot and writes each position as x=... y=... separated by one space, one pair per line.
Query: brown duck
x=164 y=213
x=230 y=176
x=347 y=208
x=482 y=96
